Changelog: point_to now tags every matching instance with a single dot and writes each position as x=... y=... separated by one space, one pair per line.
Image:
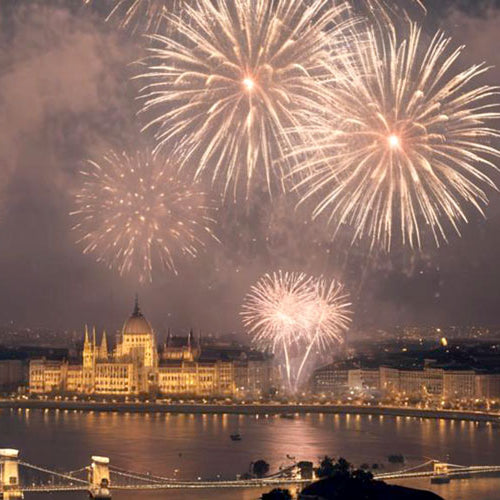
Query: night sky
x=65 y=95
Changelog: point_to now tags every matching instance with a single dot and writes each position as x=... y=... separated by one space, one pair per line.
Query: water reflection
x=199 y=445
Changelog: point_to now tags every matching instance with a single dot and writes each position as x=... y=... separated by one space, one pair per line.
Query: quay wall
x=247 y=409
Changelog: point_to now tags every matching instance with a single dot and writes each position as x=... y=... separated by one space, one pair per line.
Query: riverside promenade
x=247 y=409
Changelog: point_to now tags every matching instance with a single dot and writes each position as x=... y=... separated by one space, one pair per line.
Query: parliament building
x=183 y=366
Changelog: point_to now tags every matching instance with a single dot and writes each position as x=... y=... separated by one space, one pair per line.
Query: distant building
x=487 y=386
x=458 y=384
x=431 y=381
x=428 y=382
x=180 y=367
x=330 y=380
x=389 y=379
x=11 y=374
x=359 y=379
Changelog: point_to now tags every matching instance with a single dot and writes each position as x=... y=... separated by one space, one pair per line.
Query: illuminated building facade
x=180 y=368
x=363 y=379
x=431 y=381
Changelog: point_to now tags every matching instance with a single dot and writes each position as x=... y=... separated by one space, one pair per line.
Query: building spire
x=86 y=341
x=137 y=310
x=103 y=349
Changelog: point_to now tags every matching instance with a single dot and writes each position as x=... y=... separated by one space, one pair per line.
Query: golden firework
x=133 y=210
x=232 y=79
x=408 y=144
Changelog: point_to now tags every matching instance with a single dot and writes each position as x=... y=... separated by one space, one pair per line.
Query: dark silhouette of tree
x=325 y=468
x=277 y=494
x=362 y=476
x=342 y=469
x=340 y=481
x=260 y=468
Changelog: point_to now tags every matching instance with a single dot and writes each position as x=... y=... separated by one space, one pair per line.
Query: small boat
x=289 y=416
x=235 y=437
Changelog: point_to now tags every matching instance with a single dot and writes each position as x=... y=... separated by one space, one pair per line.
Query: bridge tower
x=9 y=475
x=441 y=473
x=99 y=478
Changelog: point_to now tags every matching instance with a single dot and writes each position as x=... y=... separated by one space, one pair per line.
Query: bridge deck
x=140 y=481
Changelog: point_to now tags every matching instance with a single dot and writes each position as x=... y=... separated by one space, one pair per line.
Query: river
x=192 y=446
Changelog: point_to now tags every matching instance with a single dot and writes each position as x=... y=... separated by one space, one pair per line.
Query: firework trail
x=292 y=311
x=234 y=76
x=330 y=317
x=140 y=16
x=413 y=148
x=386 y=8
x=132 y=211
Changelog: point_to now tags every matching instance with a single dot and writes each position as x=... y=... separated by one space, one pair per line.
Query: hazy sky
x=65 y=94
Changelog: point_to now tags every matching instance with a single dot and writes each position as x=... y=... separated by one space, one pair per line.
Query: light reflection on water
x=199 y=445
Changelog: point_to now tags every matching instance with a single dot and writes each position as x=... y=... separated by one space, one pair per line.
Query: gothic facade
x=182 y=367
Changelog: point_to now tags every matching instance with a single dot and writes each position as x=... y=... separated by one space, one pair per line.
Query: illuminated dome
x=137 y=323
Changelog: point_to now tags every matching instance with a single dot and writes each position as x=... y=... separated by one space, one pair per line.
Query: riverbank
x=248 y=409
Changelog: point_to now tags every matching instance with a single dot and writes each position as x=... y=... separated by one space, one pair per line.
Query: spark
x=234 y=76
x=387 y=11
x=132 y=211
x=409 y=146
x=140 y=16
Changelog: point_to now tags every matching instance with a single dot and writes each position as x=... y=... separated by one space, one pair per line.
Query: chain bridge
x=100 y=478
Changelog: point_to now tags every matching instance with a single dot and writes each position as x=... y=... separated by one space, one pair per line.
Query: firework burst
x=273 y=308
x=287 y=312
x=132 y=211
x=408 y=146
x=234 y=76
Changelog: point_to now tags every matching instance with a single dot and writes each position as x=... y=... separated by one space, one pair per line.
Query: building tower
x=138 y=346
x=88 y=362
x=103 y=348
x=88 y=350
